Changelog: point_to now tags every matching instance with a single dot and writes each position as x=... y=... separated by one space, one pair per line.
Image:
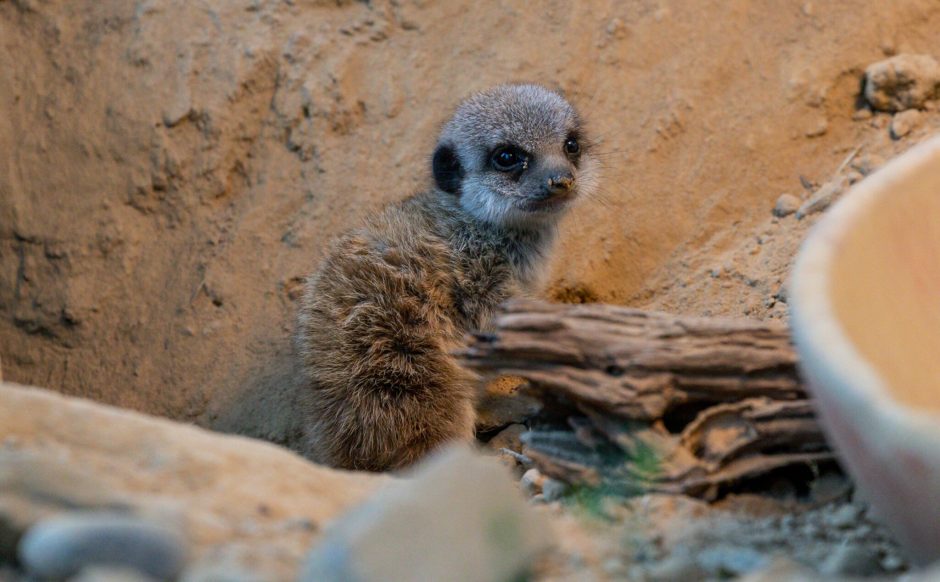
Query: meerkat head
x=515 y=155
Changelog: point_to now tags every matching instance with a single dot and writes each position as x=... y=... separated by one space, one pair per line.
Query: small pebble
x=725 y=560
x=810 y=530
x=63 y=546
x=892 y=563
x=844 y=517
x=679 y=565
x=99 y=574
x=616 y=28
x=904 y=123
x=786 y=205
x=851 y=560
x=819 y=128
x=531 y=482
x=553 y=489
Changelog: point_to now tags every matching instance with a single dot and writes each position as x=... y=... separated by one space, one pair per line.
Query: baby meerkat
x=380 y=318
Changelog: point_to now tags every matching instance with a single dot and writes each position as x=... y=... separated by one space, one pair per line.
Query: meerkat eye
x=508 y=158
x=572 y=147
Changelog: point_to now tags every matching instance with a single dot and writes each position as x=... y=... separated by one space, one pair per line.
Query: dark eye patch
x=448 y=173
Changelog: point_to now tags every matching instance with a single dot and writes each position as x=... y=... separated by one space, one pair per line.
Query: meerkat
x=380 y=318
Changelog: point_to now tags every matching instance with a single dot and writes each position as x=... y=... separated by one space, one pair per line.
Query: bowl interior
x=885 y=285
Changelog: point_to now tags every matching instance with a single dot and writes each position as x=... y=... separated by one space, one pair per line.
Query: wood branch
x=636 y=364
x=714 y=401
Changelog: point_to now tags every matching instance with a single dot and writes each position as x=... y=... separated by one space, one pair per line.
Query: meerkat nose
x=560 y=183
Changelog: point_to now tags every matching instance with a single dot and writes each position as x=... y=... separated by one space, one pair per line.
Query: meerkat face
x=515 y=156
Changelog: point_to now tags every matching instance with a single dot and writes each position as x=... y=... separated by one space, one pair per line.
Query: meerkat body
x=382 y=315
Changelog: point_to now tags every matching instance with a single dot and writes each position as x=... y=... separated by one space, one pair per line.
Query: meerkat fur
x=382 y=315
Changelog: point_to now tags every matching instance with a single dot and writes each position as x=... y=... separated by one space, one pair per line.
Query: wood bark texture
x=650 y=400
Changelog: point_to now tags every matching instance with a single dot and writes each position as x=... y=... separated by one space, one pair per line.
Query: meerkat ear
x=447 y=171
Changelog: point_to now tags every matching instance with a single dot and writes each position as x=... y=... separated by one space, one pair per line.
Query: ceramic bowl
x=865 y=312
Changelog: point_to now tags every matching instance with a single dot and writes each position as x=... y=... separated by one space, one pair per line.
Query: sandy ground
x=171 y=169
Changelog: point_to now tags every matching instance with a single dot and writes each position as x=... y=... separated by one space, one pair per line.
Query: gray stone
x=892 y=563
x=902 y=82
x=782 y=570
x=724 y=560
x=553 y=489
x=679 y=565
x=844 y=517
x=106 y=574
x=851 y=560
x=63 y=546
x=459 y=518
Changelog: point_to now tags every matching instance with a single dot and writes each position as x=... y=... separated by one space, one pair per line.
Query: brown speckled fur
x=381 y=316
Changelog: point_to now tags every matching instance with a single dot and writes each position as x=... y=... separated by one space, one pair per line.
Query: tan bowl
x=865 y=313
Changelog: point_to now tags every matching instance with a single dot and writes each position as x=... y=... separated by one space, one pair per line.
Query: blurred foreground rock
x=247 y=510
x=65 y=546
x=460 y=519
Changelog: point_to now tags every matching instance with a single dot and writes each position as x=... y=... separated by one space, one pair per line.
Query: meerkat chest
x=488 y=274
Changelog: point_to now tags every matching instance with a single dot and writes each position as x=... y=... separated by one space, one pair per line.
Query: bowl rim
x=816 y=330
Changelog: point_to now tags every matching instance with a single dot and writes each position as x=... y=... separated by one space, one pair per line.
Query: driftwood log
x=645 y=400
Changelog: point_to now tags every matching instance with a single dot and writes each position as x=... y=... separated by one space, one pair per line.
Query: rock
x=458 y=518
x=892 y=562
x=726 y=560
x=902 y=82
x=33 y=488
x=819 y=128
x=105 y=574
x=258 y=506
x=851 y=559
x=782 y=570
x=553 y=489
x=531 y=482
x=904 y=123
x=616 y=28
x=679 y=565
x=822 y=198
x=60 y=547
x=844 y=517
x=786 y=205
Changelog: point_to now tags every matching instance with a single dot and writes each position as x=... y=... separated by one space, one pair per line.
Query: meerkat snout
x=559 y=183
x=382 y=315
